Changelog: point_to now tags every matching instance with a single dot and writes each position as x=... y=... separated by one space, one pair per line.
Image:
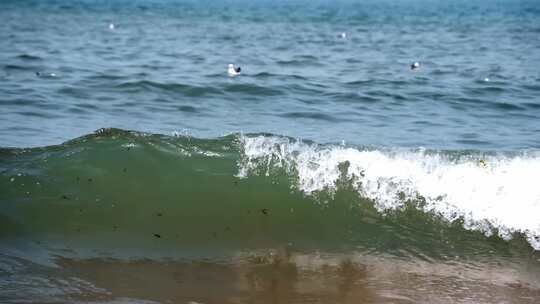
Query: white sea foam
x=499 y=192
x=129 y=145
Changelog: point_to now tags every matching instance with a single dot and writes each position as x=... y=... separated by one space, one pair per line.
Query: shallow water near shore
x=96 y=218
x=133 y=169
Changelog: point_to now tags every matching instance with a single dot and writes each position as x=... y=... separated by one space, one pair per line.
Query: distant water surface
x=162 y=69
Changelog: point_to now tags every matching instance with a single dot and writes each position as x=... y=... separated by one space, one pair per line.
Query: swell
x=114 y=190
x=28 y=57
x=198 y=91
x=187 y=90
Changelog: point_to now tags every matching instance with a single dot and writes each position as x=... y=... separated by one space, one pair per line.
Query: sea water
x=133 y=168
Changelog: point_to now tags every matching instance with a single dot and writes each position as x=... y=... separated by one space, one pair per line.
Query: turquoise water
x=134 y=169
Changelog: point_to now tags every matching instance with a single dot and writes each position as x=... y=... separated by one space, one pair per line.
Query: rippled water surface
x=134 y=169
x=163 y=69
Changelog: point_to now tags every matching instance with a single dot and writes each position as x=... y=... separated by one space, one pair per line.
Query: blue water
x=328 y=171
x=162 y=69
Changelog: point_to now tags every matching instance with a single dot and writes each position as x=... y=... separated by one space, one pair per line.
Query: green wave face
x=256 y=218
x=125 y=194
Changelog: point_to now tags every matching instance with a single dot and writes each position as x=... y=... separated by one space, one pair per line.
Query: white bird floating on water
x=415 y=65
x=486 y=79
x=343 y=35
x=111 y=26
x=233 y=71
x=45 y=75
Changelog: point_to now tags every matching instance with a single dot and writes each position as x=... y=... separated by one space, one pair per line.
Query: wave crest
x=491 y=193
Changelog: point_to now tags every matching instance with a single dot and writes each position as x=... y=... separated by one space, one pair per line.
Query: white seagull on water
x=233 y=71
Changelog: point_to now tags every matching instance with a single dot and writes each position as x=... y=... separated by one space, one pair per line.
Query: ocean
x=134 y=169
